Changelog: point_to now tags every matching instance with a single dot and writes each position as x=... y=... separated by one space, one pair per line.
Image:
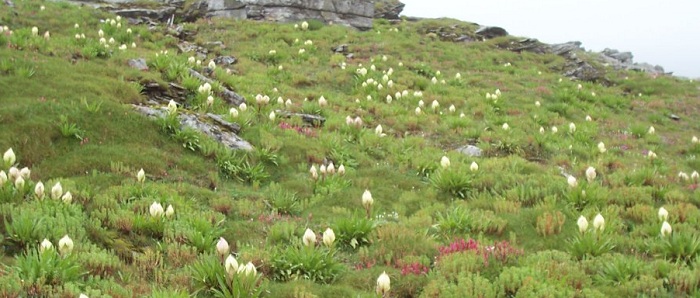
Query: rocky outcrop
x=624 y=60
x=388 y=9
x=356 y=13
x=211 y=125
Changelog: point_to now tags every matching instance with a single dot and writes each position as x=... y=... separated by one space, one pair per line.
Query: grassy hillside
x=440 y=223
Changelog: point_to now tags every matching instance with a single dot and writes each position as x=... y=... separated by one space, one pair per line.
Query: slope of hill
x=390 y=107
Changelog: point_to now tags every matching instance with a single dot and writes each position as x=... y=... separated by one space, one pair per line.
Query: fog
x=665 y=33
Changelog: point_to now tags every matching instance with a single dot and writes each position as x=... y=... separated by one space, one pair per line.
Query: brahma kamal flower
x=249 y=269
x=452 y=109
x=111 y=40
x=358 y=121
x=695 y=175
x=19 y=182
x=191 y=60
x=590 y=174
x=328 y=237
x=397 y=95
x=56 y=191
x=330 y=168
x=458 y=76
x=83 y=296
x=651 y=154
x=3 y=178
x=663 y=214
x=67 y=198
x=434 y=105
x=599 y=222
x=601 y=147
x=280 y=100
x=308 y=42
x=288 y=103
x=322 y=101
x=212 y=64
x=555 y=129
x=367 y=200
x=541 y=130
x=65 y=245
x=156 y=210
x=243 y=107
x=418 y=111
x=210 y=100
x=445 y=162
x=572 y=127
x=579 y=87
x=231 y=265
x=666 y=229
x=128 y=31
x=538 y=104
x=302 y=51
x=170 y=211
x=39 y=190
x=322 y=169
x=652 y=130
x=122 y=47
x=309 y=238
x=172 y=107
x=588 y=118
x=141 y=176
x=498 y=92
x=349 y=121
x=313 y=172
x=474 y=166
x=222 y=247
x=47 y=35
x=341 y=170
x=383 y=284
x=13 y=173
x=694 y=140
x=571 y=180
x=418 y=93
x=25 y=173
x=582 y=223
x=35 y=31
x=45 y=245
x=389 y=99
x=379 y=130
x=683 y=176
x=434 y=80
x=505 y=126
x=421 y=103
x=272 y=116
x=304 y=25
x=101 y=33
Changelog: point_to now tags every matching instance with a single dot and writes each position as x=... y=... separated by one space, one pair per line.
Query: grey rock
x=226 y=94
x=356 y=13
x=623 y=57
x=161 y=15
x=470 y=150
x=139 y=64
x=313 y=120
x=675 y=117
x=341 y=49
x=223 y=136
x=489 y=32
x=388 y=9
x=225 y=60
x=566 y=48
x=9 y=3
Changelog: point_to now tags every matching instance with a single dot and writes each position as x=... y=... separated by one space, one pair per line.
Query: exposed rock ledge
x=221 y=131
x=356 y=13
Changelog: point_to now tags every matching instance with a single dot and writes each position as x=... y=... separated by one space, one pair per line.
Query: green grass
x=65 y=110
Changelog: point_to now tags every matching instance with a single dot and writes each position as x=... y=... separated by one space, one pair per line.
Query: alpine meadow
x=222 y=157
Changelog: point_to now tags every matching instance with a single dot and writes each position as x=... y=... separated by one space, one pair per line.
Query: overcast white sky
x=663 y=32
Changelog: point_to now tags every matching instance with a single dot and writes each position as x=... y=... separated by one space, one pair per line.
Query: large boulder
x=488 y=32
